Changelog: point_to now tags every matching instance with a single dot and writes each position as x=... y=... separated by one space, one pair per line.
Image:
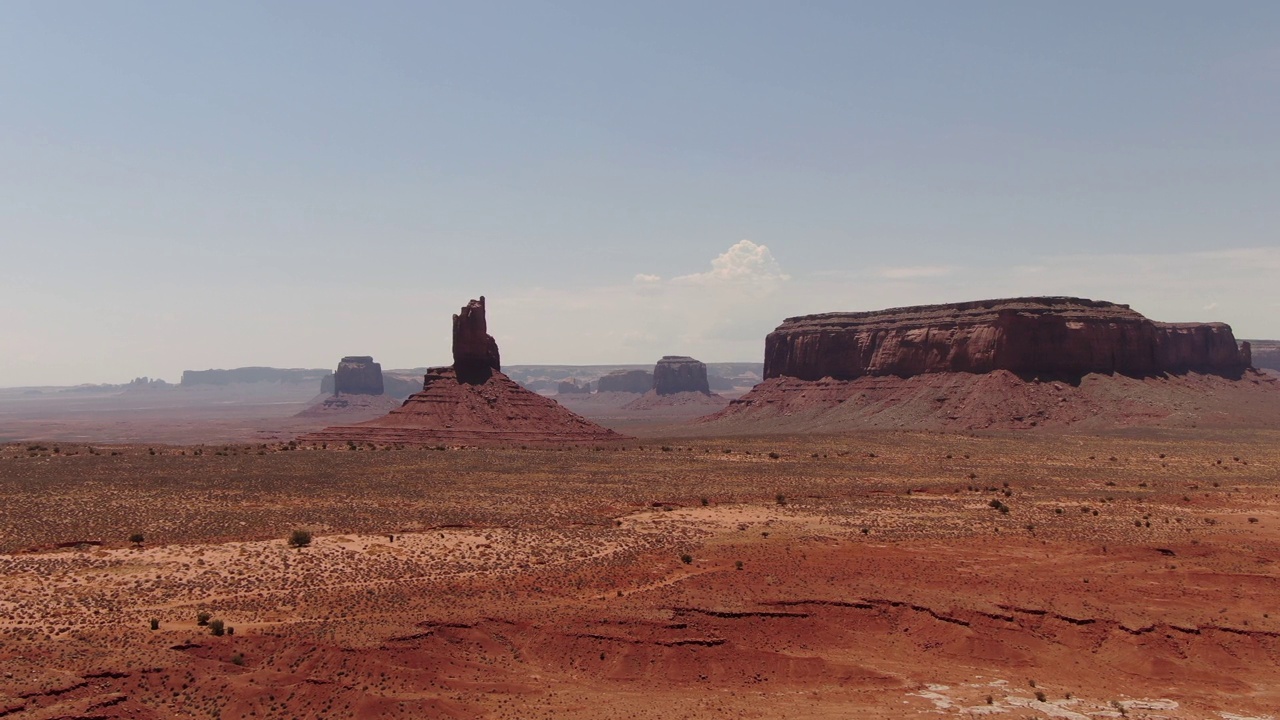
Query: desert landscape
x=891 y=574
x=639 y=361
x=1020 y=547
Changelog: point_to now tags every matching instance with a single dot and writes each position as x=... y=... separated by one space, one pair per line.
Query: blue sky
x=211 y=185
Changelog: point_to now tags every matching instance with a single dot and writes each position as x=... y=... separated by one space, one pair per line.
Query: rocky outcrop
x=358 y=375
x=471 y=402
x=627 y=381
x=678 y=373
x=1055 y=337
x=475 y=352
x=571 y=387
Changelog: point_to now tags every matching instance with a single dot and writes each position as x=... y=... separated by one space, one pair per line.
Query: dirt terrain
x=887 y=574
x=236 y=413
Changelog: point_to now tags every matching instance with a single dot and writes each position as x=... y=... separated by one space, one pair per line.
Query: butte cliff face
x=471 y=402
x=1017 y=363
x=678 y=373
x=628 y=381
x=1038 y=337
x=475 y=352
x=358 y=375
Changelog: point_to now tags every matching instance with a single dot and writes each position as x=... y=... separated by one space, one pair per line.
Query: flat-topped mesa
x=678 y=373
x=1033 y=337
x=628 y=381
x=358 y=375
x=475 y=352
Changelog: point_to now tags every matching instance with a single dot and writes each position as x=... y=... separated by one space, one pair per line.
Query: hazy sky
x=194 y=185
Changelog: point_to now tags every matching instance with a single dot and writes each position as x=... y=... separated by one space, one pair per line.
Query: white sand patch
x=1052 y=709
x=940 y=701
x=1145 y=704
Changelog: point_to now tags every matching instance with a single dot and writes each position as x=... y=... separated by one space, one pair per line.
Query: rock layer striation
x=1058 y=337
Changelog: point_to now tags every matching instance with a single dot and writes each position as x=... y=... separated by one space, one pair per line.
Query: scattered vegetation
x=299 y=538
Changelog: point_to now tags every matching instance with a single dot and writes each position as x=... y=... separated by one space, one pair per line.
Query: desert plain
x=882 y=574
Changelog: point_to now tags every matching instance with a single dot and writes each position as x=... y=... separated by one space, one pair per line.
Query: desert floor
x=809 y=577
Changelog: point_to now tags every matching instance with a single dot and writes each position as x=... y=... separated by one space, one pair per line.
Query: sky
x=196 y=185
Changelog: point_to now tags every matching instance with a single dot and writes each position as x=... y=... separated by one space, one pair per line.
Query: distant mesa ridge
x=628 y=381
x=1059 y=337
x=1265 y=354
x=191 y=378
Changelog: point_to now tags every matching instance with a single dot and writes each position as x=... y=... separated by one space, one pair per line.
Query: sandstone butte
x=358 y=375
x=356 y=391
x=678 y=380
x=471 y=402
x=678 y=373
x=1018 y=362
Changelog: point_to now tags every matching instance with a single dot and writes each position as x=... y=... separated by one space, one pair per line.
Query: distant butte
x=472 y=402
x=1013 y=363
x=679 y=373
x=358 y=375
x=358 y=392
x=679 y=380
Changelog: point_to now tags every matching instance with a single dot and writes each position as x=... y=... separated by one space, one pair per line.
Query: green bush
x=300 y=538
x=217 y=627
x=202 y=618
x=686 y=558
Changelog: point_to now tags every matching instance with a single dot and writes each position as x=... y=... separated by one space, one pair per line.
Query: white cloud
x=744 y=263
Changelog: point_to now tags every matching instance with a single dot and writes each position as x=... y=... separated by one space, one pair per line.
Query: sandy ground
x=869 y=576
